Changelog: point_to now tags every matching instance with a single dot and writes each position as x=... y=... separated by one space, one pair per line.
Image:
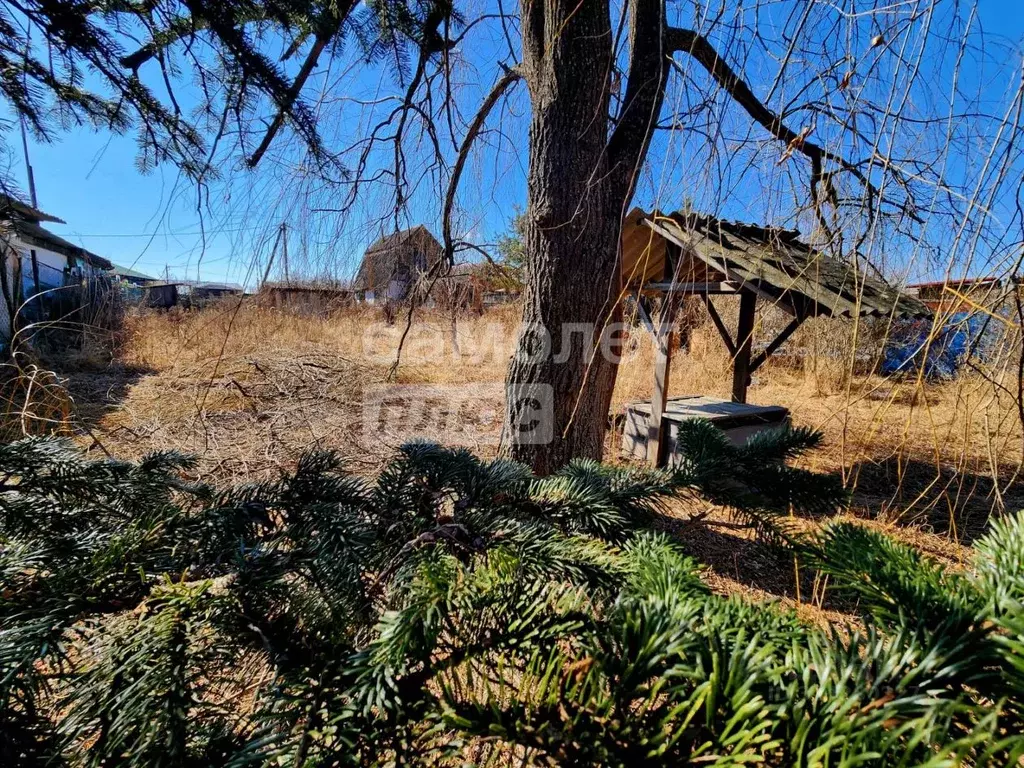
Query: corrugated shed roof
x=776 y=264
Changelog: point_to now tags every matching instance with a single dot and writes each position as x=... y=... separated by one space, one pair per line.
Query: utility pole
x=28 y=166
x=273 y=252
x=32 y=198
x=284 y=252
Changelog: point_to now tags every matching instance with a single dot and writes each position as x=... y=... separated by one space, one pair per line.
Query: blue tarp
x=964 y=335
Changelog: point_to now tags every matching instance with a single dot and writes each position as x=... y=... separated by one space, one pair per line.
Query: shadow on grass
x=95 y=393
x=939 y=498
x=36 y=401
x=917 y=496
x=734 y=556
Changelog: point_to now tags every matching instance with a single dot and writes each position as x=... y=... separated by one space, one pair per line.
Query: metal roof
x=33 y=234
x=129 y=272
x=774 y=263
x=198 y=284
x=24 y=220
x=204 y=285
x=22 y=210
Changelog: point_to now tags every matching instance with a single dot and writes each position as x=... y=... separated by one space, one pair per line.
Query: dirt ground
x=249 y=388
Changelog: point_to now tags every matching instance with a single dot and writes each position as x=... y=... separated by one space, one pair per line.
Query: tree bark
x=570 y=239
x=580 y=182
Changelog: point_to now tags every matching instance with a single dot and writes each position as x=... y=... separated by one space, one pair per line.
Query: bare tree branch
x=319 y=43
x=700 y=49
x=645 y=91
x=512 y=75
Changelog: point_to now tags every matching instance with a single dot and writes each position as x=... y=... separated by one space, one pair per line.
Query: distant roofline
x=117 y=269
x=962 y=281
x=201 y=284
x=397 y=239
x=306 y=285
x=34 y=234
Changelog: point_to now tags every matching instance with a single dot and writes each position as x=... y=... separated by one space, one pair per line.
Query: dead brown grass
x=231 y=379
x=33 y=401
x=249 y=388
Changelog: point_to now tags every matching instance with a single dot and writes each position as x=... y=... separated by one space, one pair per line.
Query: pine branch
x=459 y=610
x=893 y=582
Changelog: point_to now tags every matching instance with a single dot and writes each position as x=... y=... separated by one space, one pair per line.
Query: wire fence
x=61 y=307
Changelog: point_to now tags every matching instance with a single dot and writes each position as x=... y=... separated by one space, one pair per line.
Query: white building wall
x=51 y=265
x=51 y=275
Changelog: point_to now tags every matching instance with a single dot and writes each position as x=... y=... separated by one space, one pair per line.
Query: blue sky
x=150 y=221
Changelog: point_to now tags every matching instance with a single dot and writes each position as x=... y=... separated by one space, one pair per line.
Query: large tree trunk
x=571 y=236
x=566 y=380
x=580 y=181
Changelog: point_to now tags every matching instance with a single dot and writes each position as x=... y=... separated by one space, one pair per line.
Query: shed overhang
x=771 y=262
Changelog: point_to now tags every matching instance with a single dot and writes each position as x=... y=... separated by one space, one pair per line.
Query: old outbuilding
x=691 y=254
x=396 y=266
x=38 y=262
x=187 y=293
x=314 y=297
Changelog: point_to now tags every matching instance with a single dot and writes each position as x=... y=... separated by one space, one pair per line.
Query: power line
x=172 y=234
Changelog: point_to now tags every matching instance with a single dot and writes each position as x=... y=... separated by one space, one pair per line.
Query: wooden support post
x=35 y=274
x=777 y=342
x=645 y=318
x=662 y=366
x=744 y=340
x=722 y=330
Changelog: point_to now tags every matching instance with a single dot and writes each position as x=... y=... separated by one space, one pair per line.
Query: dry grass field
x=248 y=388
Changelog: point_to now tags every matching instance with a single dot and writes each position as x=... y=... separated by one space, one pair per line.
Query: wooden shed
x=396 y=264
x=316 y=297
x=963 y=295
x=160 y=295
x=688 y=253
